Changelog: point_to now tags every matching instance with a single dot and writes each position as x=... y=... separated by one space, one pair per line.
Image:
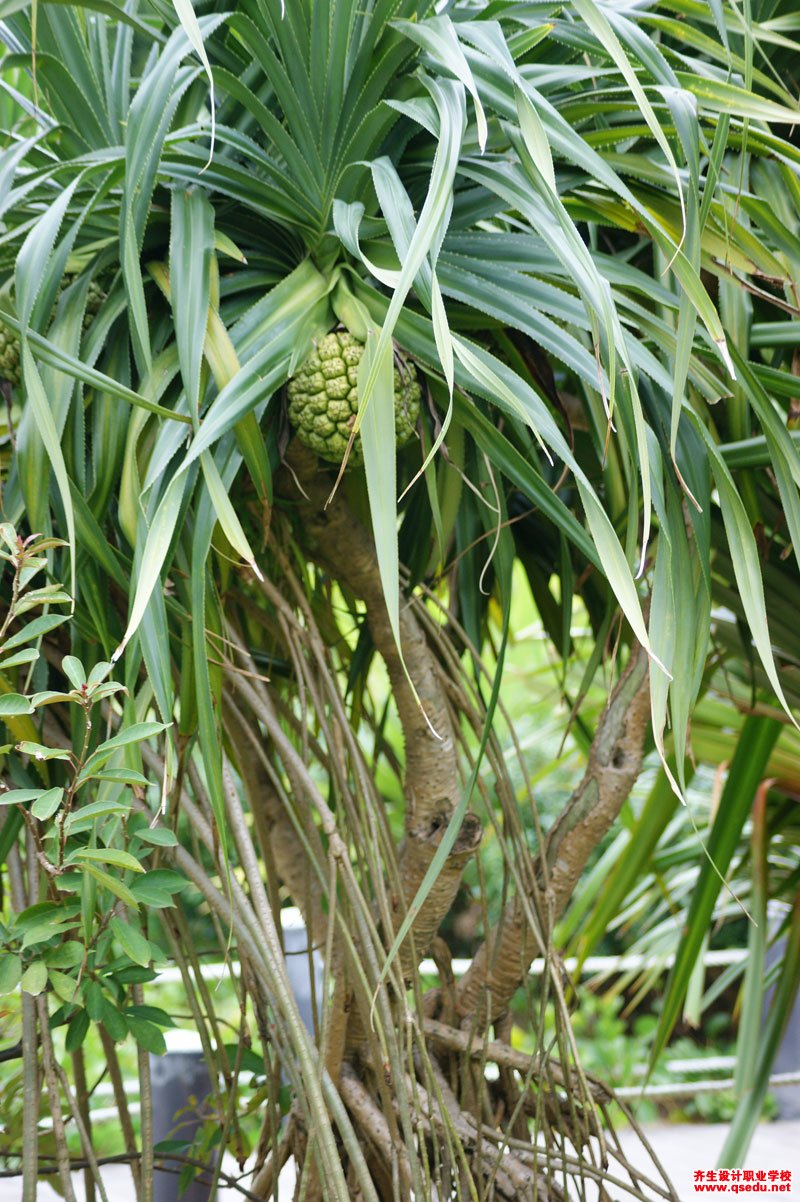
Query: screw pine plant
x=569 y=221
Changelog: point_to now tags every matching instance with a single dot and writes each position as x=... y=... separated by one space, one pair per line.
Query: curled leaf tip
x=689 y=494
x=654 y=659
x=726 y=357
x=428 y=722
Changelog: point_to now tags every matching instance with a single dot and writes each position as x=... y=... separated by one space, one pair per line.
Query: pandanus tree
x=535 y=238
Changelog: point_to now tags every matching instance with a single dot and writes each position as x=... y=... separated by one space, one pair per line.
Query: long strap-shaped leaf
x=190 y=249
x=479 y=371
x=148 y=120
x=492 y=64
x=450 y=105
x=751 y=1104
x=191 y=27
x=748 y=766
x=746 y=565
x=596 y=20
x=29 y=274
x=289 y=321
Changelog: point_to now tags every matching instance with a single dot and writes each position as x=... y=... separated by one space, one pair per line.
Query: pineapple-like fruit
x=323 y=398
x=94 y=302
x=9 y=355
x=9 y=340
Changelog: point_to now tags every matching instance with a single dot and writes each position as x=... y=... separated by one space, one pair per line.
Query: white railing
x=600 y=966
x=596 y=966
x=628 y=1093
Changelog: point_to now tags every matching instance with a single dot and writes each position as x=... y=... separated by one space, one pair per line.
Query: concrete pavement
x=681 y=1148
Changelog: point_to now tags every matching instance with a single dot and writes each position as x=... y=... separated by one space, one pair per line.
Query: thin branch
x=47 y=1168
x=145 y=1112
x=51 y=1078
x=121 y=1102
x=543 y=1069
x=92 y=1169
x=615 y=760
x=82 y=1101
x=373 y=1125
x=31 y=1088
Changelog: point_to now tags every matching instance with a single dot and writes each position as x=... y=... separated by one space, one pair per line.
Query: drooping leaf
x=10 y=973
x=34 y=978
x=133 y=943
x=746 y=771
